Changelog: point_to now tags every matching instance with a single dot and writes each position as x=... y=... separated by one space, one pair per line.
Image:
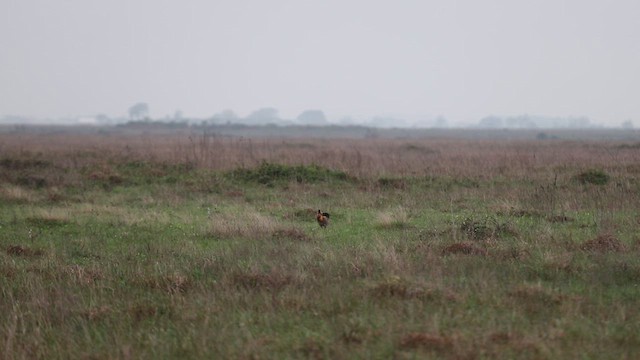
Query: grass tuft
x=595 y=177
x=395 y=218
x=271 y=173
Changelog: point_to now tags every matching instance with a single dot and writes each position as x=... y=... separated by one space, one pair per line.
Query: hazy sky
x=460 y=59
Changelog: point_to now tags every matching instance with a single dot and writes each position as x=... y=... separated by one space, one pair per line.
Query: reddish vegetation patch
x=426 y=341
x=19 y=250
x=603 y=243
x=463 y=248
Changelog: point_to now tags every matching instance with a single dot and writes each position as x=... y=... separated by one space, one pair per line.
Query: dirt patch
x=604 y=243
x=19 y=250
x=464 y=248
x=426 y=341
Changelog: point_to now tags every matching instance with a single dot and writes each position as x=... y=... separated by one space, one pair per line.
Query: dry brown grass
x=397 y=217
x=246 y=223
x=359 y=157
x=144 y=260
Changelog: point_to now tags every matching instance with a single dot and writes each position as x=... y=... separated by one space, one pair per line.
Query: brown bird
x=323 y=218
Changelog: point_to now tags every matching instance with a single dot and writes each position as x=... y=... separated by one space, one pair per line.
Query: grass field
x=200 y=246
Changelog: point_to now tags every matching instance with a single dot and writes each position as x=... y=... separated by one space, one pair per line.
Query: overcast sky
x=460 y=59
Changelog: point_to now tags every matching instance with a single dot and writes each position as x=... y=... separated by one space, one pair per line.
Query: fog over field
x=405 y=63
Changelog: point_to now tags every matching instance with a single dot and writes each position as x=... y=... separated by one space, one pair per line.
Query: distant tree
x=347 y=120
x=103 y=119
x=226 y=116
x=312 y=117
x=178 y=116
x=386 y=121
x=522 y=121
x=580 y=122
x=627 y=125
x=139 y=111
x=263 y=116
x=441 y=122
x=490 y=122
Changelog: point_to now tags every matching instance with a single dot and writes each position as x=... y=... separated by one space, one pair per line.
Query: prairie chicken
x=323 y=218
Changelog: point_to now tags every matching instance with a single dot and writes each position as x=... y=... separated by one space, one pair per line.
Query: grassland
x=202 y=246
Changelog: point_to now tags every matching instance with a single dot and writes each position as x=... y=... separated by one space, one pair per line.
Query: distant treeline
x=328 y=131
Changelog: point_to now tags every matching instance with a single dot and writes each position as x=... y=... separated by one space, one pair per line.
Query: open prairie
x=197 y=245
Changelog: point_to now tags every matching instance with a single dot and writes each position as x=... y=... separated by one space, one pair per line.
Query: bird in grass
x=323 y=218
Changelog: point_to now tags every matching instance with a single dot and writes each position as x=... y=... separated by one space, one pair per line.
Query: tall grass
x=162 y=246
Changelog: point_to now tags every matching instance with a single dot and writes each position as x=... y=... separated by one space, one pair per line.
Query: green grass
x=147 y=260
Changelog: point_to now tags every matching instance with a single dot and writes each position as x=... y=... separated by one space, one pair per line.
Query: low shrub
x=595 y=177
x=270 y=173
